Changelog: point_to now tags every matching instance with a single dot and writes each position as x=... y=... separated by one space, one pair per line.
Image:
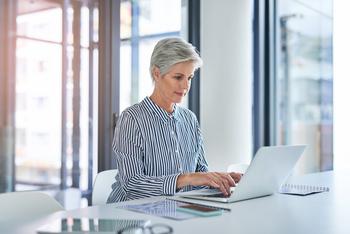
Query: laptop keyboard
x=216 y=195
x=219 y=194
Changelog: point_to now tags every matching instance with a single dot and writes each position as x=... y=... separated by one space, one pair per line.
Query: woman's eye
x=178 y=77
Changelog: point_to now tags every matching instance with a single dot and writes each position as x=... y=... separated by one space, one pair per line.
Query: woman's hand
x=236 y=176
x=219 y=180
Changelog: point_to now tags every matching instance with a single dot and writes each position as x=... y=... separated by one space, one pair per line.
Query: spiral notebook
x=301 y=189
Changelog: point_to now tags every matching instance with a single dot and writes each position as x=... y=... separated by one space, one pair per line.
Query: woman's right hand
x=219 y=180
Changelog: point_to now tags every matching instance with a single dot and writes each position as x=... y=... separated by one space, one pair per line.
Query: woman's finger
x=229 y=179
x=236 y=176
x=224 y=181
x=217 y=180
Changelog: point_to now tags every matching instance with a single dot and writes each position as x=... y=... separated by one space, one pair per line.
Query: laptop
x=269 y=168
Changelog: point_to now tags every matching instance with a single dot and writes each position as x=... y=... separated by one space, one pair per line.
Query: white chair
x=103 y=186
x=19 y=207
x=238 y=167
x=70 y=198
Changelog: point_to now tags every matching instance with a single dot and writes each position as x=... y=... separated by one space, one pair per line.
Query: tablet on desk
x=90 y=225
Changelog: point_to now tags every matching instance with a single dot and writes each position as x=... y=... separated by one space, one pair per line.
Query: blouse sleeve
x=128 y=147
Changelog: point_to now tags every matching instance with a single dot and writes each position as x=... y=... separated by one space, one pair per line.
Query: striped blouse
x=153 y=148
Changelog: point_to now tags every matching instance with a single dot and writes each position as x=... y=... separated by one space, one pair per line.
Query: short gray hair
x=170 y=51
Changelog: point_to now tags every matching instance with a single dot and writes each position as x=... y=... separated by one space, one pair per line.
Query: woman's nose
x=186 y=84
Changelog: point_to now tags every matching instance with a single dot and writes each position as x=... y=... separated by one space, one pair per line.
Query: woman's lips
x=180 y=94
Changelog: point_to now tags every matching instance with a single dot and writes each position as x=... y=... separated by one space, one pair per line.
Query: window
x=143 y=23
x=53 y=110
x=304 y=80
x=341 y=85
x=55 y=93
x=39 y=57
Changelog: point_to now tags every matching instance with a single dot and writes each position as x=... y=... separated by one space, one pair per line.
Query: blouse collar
x=160 y=112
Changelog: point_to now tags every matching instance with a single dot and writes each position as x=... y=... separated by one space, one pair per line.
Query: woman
x=158 y=144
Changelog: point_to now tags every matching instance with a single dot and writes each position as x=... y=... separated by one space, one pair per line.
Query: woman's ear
x=155 y=73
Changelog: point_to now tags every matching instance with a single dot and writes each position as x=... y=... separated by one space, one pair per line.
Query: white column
x=226 y=81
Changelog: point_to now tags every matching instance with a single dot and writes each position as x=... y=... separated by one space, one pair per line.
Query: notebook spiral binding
x=302 y=189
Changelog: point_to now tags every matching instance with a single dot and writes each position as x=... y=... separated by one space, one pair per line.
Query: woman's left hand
x=236 y=176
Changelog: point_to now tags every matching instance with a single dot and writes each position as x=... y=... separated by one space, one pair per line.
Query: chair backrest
x=19 y=207
x=103 y=186
x=70 y=198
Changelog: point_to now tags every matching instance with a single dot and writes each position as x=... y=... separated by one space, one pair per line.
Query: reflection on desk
x=91 y=225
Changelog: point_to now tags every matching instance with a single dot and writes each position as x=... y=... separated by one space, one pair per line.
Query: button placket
x=176 y=142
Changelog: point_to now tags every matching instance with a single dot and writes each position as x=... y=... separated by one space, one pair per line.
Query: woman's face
x=175 y=84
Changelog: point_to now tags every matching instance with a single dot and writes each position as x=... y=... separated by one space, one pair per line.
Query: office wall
x=226 y=81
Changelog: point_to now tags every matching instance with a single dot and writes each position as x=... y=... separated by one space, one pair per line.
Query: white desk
x=327 y=212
